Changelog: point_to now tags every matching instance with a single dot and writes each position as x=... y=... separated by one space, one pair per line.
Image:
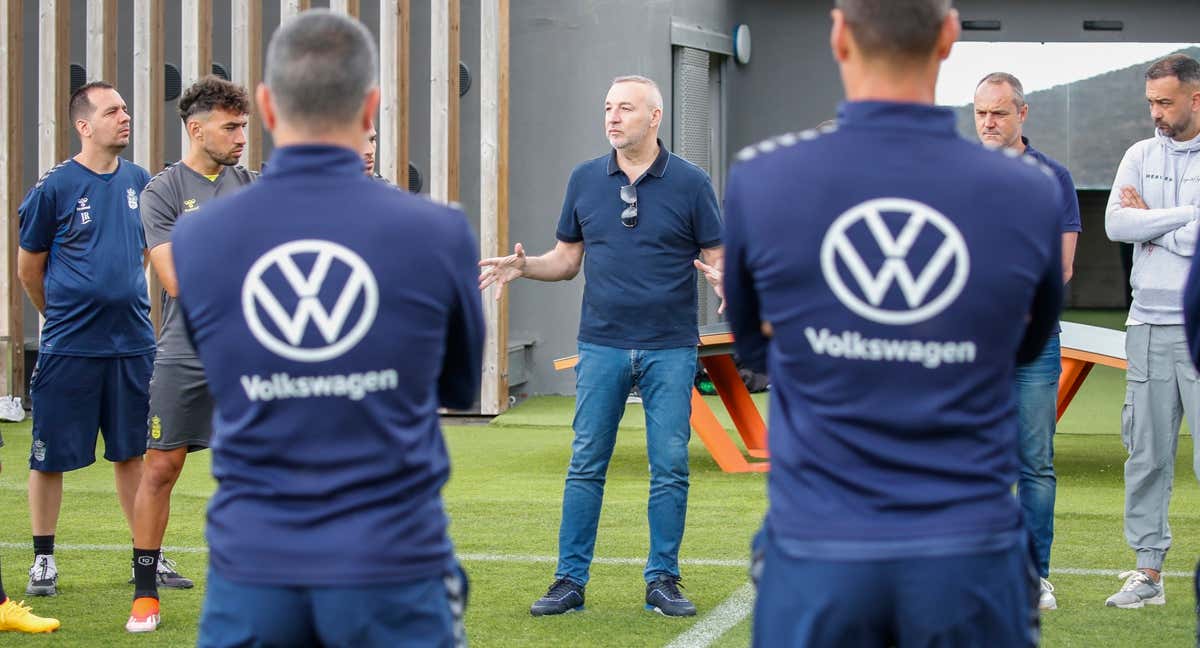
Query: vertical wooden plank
x=443 y=99
x=493 y=192
x=12 y=301
x=196 y=46
x=394 y=19
x=54 y=77
x=246 y=57
x=148 y=26
x=101 y=62
x=349 y=7
x=289 y=8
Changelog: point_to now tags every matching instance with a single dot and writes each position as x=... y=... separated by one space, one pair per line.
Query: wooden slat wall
x=246 y=54
x=493 y=189
x=444 y=101
x=345 y=6
x=148 y=111
x=289 y=8
x=196 y=47
x=12 y=305
x=101 y=63
x=394 y=18
x=54 y=77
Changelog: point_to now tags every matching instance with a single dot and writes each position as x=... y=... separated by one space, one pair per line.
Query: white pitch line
x=534 y=558
x=720 y=620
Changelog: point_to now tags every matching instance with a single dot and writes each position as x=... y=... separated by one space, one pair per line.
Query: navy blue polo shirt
x=641 y=284
x=333 y=314
x=1068 y=205
x=905 y=271
x=96 y=297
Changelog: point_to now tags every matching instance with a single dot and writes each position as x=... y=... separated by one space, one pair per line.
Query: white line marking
x=534 y=558
x=716 y=623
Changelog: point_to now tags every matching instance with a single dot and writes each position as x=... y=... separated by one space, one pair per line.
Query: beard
x=1172 y=129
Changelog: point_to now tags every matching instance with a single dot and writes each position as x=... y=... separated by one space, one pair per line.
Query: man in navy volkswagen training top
x=330 y=331
x=900 y=272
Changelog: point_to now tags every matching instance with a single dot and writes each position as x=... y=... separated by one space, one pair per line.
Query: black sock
x=145 y=564
x=3 y=596
x=43 y=545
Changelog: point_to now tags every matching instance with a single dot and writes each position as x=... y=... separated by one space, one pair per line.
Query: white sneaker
x=1046 y=600
x=1139 y=589
x=11 y=410
x=43 y=577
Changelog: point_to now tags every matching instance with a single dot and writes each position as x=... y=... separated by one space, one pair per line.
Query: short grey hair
x=996 y=78
x=906 y=29
x=656 y=96
x=319 y=66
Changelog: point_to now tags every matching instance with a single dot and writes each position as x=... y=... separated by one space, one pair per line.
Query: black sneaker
x=663 y=596
x=166 y=575
x=563 y=596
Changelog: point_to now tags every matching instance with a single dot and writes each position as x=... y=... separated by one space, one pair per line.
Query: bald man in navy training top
x=894 y=274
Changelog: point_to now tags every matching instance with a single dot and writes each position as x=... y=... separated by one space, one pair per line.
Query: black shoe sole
x=538 y=613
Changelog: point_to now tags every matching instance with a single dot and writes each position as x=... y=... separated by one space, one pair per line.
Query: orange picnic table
x=1083 y=347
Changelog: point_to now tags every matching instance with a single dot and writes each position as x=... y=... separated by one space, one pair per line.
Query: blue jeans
x=1037 y=411
x=420 y=614
x=603 y=379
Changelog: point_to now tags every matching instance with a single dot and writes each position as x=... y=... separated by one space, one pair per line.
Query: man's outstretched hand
x=501 y=270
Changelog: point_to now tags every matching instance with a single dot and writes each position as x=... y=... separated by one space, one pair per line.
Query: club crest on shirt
x=190 y=205
x=84 y=210
x=131 y=198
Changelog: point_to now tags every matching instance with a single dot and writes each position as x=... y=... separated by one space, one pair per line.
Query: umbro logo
x=310 y=315
x=865 y=263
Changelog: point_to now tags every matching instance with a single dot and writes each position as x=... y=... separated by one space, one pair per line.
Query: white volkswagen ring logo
x=873 y=287
x=331 y=325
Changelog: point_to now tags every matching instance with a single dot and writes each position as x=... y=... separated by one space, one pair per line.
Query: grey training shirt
x=176 y=192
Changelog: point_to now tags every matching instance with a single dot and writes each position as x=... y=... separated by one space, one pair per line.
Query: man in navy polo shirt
x=642 y=215
x=81 y=261
x=895 y=288
x=330 y=332
x=1000 y=112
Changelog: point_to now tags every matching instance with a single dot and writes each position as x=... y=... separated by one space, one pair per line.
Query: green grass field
x=504 y=499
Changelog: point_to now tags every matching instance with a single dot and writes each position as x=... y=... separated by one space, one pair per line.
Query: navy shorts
x=426 y=613
x=977 y=600
x=75 y=399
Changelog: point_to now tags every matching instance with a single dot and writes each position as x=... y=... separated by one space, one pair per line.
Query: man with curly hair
x=214 y=114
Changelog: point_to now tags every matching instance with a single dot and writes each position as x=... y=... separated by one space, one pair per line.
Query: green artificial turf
x=504 y=499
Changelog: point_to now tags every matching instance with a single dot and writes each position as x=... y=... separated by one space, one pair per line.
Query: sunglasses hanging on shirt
x=629 y=214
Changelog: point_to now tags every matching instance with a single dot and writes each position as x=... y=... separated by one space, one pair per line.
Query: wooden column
x=349 y=7
x=392 y=124
x=289 y=8
x=443 y=99
x=101 y=63
x=493 y=192
x=196 y=46
x=12 y=300
x=54 y=82
x=247 y=70
x=148 y=93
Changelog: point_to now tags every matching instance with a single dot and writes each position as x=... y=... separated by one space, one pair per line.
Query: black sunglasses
x=629 y=215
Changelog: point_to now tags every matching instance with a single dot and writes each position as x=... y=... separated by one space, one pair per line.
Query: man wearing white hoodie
x=1154 y=206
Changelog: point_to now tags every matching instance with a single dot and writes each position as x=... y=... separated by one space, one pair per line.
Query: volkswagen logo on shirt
x=927 y=281
x=319 y=299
